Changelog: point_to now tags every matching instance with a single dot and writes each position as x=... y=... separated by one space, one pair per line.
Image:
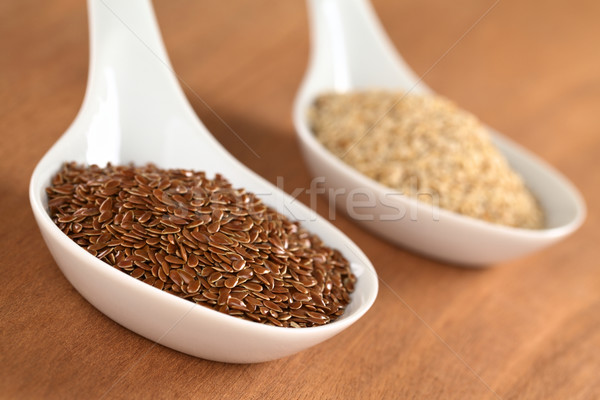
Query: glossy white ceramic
x=135 y=111
x=350 y=51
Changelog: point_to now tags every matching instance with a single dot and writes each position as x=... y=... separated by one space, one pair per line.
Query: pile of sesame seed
x=425 y=147
x=202 y=240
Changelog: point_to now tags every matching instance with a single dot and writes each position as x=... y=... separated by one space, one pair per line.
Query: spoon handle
x=133 y=96
x=350 y=47
x=124 y=23
x=124 y=38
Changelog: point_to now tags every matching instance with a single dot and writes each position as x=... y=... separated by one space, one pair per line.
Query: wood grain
x=529 y=329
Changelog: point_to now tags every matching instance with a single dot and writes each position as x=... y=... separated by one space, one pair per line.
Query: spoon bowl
x=350 y=51
x=134 y=111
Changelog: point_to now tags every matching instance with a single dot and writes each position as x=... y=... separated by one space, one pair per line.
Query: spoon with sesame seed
x=351 y=52
x=134 y=111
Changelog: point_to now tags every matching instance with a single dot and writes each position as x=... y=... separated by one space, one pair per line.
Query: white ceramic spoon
x=135 y=111
x=350 y=51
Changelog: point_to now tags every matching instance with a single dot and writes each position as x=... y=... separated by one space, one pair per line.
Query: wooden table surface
x=528 y=329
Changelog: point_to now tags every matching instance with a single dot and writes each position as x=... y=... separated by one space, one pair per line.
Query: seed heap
x=202 y=240
x=425 y=147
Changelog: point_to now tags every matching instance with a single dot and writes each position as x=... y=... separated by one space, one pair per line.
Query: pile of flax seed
x=425 y=147
x=203 y=240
